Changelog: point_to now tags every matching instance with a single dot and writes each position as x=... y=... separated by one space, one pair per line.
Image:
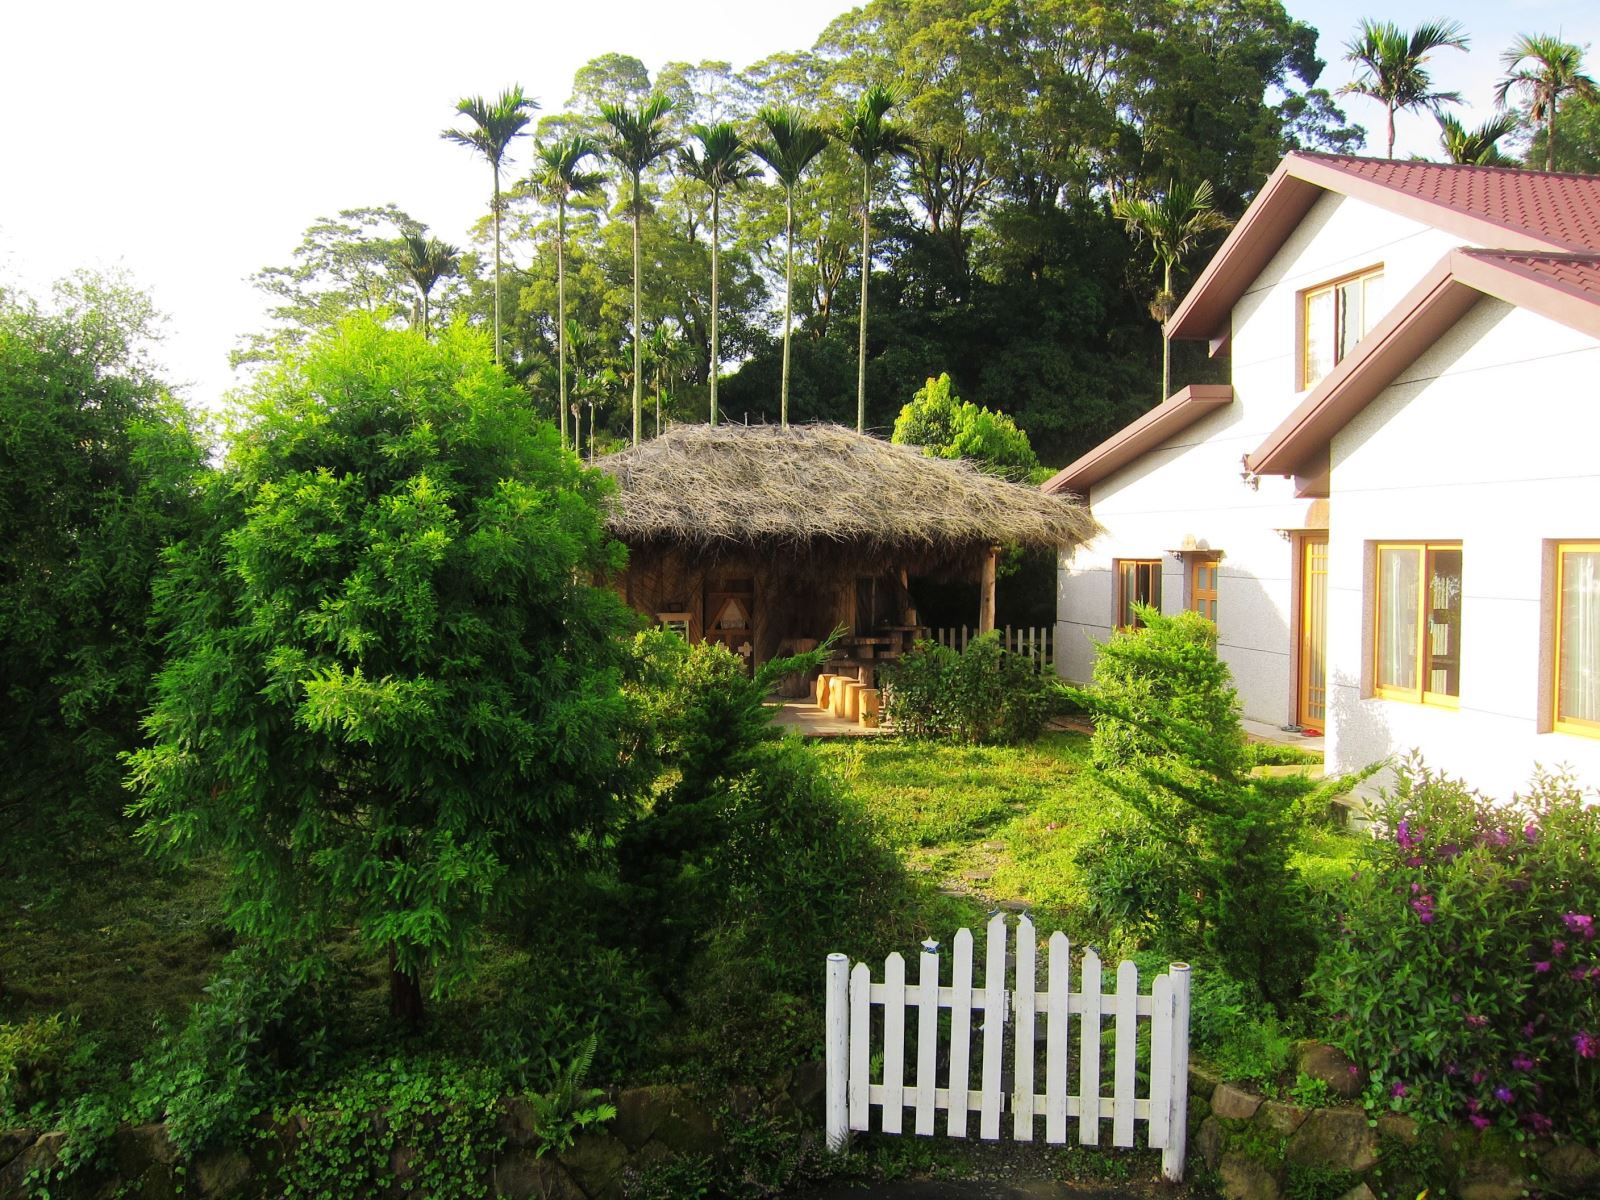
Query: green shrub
x=979 y=695
x=1466 y=979
x=1234 y=1031
x=1211 y=853
x=40 y=1058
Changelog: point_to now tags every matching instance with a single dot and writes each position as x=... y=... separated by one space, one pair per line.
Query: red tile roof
x=1504 y=207
x=1576 y=274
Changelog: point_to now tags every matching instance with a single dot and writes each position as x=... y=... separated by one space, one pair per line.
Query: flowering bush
x=1466 y=980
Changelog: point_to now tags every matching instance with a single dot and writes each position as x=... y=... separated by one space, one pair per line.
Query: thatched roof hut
x=797 y=530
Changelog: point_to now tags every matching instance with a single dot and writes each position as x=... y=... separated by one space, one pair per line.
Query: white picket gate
x=852 y=1093
x=1035 y=642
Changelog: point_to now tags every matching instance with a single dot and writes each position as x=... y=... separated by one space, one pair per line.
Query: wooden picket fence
x=853 y=1000
x=1035 y=642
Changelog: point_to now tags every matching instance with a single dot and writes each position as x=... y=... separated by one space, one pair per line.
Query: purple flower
x=1527 y=1030
x=1397 y=1089
x=1580 y=923
x=1495 y=837
x=1586 y=1044
x=1539 y=968
x=1423 y=907
x=1521 y=1062
x=1476 y=1022
x=1405 y=838
x=1449 y=851
x=1557 y=948
x=1479 y=1122
x=1578 y=973
x=1531 y=832
x=1477 y=1078
x=1414 y=861
x=1539 y=1123
x=1503 y=1094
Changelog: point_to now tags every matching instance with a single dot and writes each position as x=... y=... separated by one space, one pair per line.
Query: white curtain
x=1580 y=635
x=1399 y=572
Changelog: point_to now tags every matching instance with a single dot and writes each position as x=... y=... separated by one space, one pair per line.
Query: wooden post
x=838 y=1049
x=986 y=590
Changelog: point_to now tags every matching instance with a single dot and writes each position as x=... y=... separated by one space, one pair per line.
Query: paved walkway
x=806 y=719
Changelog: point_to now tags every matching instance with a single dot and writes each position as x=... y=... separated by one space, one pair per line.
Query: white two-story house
x=1392 y=512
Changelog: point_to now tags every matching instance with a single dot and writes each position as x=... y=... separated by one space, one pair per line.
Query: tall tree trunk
x=405 y=994
x=716 y=346
x=638 y=347
x=496 y=203
x=1166 y=342
x=427 y=328
x=561 y=314
x=1390 y=152
x=866 y=270
x=788 y=306
x=1550 y=134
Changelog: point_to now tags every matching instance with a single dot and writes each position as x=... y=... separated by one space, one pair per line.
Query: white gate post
x=1178 y=1128
x=838 y=1051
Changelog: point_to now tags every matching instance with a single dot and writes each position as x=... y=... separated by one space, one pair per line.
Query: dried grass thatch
x=812 y=488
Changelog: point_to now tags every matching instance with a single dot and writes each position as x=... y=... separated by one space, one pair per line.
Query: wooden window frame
x=1557 y=722
x=1420 y=694
x=1302 y=322
x=1155 y=565
x=1195 y=593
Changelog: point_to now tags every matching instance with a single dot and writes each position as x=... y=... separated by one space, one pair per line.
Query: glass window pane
x=1444 y=622
x=1580 y=636
x=1398 y=573
x=1319 y=336
x=1371 y=301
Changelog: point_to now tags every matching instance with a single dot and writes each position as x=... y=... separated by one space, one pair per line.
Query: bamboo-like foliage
x=494 y=126
x=559 y=176
x=722 y=162
x=639 y=137
x=1476 y=147
x=425 y=261
x=1392 y=72
x=1173 y=222
x=790 y=144
x=1548 y=70
x=868 y=134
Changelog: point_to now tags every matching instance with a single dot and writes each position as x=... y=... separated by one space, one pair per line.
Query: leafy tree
x=1480 y=146
x=723 y=162
x=870 y=137
x=99 y=469
x=639 y=138
x=560 y=176
x=1174 y=222
x=790 y=144
x=1547 y=70
x=1391 y=61
x=391 y=694
x=945 y=426
x=1577 y=138
x=425 y=261
x=494 y=125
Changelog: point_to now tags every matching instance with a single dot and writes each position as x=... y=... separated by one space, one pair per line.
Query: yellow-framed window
x=1203 y=587
x=1416 y=639
x=1577 y=638
x=1335 y=316
x=1138 y=582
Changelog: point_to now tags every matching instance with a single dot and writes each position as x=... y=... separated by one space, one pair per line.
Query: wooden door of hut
x=731 y=615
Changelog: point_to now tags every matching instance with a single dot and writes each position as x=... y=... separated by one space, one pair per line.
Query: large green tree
x=1547 y=70
x=495 y=124
x=1392 y=71
x=99 y=470
x=639 y=138
x=869 y=135
x=392 y=695
x=789 y=144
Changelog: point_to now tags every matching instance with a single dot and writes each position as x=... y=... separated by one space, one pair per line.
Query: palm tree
x=425 y=261
x=1392 y=61
x=723 y=162
x=638 y=138
x=791 y=144
x=559 y=177
x=1477 y=147
x=668 y=355
x=494 y=126
x=1174 y=222
x=1547 y=69
x=870 y=137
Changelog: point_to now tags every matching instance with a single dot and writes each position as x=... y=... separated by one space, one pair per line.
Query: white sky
x=191 y=143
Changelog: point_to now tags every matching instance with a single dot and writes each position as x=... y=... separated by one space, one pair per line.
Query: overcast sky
x=191 y=143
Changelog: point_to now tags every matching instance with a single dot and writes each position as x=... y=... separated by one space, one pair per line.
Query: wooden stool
x=852 y=701
x=867 y=707
x=823 y=682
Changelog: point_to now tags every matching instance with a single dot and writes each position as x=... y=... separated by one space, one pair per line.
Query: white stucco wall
x=1492 y=438
x=1189 y=488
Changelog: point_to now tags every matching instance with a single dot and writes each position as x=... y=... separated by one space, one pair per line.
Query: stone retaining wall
x=653 y=1125
x=1261 y=1148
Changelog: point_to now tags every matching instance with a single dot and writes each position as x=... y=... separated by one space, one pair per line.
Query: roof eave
x=1178 y=412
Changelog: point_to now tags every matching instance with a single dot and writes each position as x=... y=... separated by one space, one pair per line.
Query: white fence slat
x=960 y=1032
x=860 y=1045
x=1127 y=1048
x=1089 y=1054
x=1058 y=1039
x=1160 y=1061
x=994 y=1024
x=894 y=1041
x=1178 y=1130
x=1022 y=1035
x=927 y=1035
